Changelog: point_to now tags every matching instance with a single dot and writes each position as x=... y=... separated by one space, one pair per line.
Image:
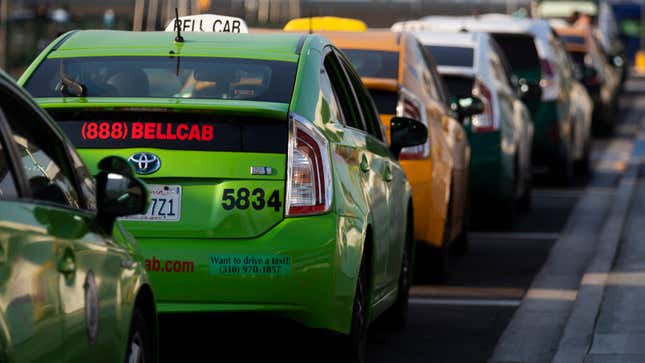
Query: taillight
x=309 y=188
x=548 y=82
x=484 y=122
x=412 y=108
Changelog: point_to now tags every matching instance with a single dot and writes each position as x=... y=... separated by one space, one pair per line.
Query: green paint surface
x=237 y=265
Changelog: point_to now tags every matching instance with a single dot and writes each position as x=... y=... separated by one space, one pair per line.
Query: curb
x=578 y=334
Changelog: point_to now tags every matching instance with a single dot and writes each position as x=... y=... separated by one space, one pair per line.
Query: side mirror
x=119 y=193
x=529 y=91
x=405 y=132
x=467 y=106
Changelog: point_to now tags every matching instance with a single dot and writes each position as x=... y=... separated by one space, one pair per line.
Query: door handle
x=67 y=265
x=364 y=165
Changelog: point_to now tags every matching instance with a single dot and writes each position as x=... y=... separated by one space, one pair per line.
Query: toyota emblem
x=145 y=163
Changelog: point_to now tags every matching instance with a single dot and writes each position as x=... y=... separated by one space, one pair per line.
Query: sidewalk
x=619 y=331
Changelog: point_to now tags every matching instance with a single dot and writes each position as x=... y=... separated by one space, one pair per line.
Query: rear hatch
x=218 y=176
x=208 y=135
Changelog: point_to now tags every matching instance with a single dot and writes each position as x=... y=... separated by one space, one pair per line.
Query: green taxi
x=73 y=286
x=273 y=187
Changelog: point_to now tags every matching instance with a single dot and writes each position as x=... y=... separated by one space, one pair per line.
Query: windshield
x=165 y=77
x=374 y=63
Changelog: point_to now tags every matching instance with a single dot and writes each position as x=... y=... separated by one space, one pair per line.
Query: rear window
x=167 y=77
x=578 y=58
x=459 y=86
x=385 y=101
x=571 y=39
x=374 y=63
x=519 y=50
x=451 y=56
x=173 y=130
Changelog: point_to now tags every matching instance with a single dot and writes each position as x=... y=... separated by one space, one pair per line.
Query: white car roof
x=496 y=23
x=491 y=23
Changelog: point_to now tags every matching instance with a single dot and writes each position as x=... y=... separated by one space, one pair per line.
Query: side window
x=329 y=96
x=371 y=117
x=88 y=187
x=43 y=157
x=343 y=92
x=424 y=71
x=437 y=80
x=7 y=180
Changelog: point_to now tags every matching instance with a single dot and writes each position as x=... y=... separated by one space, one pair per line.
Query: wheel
x=139 y=340
x=396 y=316
x=353 y=347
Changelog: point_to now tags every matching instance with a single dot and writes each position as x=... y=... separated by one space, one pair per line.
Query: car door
x=372 y=168
x=393 y=177
x=87 y=264
x=31 y=316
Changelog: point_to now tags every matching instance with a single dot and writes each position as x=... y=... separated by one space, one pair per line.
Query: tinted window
x=451 y=56
x=371 y=118
x=168 y=77
x=343 y=92
x=42 y=155
x=385 y=101
x=7 y=181
x=178 y=131
x=328 y=93
x=578 y=58
x=459 y=86
x=374 y=63
x=570 y=39
x=520 y=51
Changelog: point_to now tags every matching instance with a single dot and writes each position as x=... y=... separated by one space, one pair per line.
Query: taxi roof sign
x=208 y=23
x=325 y=23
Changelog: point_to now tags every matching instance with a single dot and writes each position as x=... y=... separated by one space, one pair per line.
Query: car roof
x=371 y=40
x=277 y=46
x=456 y=39
x=493 y=23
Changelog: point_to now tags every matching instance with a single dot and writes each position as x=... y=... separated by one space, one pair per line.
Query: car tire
x=353 y=347
x=139 y=340
x=396 y=317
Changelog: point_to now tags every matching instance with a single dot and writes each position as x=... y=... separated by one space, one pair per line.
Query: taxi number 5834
x=244 y=198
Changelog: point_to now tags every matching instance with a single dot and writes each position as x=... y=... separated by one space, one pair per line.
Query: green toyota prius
x=73 y=286
x=273 y=188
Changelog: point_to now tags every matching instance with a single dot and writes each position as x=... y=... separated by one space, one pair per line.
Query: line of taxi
x=301 y=173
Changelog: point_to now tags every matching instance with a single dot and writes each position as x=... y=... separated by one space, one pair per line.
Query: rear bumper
x=491 y=169
x=316 y=290
x=549 y=134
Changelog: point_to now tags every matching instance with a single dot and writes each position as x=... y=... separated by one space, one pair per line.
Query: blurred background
x=27 y=26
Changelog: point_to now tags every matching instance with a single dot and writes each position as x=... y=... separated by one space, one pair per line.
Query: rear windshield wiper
x=71 y=87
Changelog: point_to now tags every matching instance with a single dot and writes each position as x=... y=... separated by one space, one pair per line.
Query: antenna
x=178 y=38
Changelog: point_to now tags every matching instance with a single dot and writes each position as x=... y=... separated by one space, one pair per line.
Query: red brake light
x=309 y=188
x=547 y=68
x=484 y=122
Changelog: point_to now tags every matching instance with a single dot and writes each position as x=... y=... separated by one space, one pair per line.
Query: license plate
x=165 y=204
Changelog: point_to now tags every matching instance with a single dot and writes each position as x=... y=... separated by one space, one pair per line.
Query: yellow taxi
x=402 y=79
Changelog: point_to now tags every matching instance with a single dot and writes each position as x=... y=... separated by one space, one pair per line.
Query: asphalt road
x=460 y=320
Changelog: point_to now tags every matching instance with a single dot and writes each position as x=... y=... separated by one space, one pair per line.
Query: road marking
x=467 y=292
x=515 y=235
x=464 y=302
